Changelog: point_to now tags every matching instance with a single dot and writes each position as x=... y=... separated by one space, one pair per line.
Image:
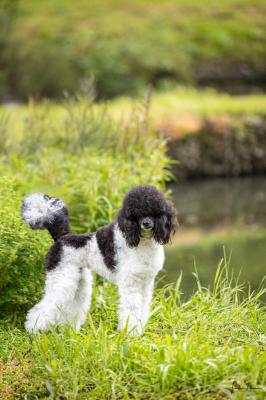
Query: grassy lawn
x=209 y=347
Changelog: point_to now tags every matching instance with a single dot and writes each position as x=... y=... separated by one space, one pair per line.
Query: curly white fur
x=39 y=209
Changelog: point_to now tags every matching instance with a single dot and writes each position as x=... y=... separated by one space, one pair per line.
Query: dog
x=128 y=252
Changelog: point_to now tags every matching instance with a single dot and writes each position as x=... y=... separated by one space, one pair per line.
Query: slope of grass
x=209 y=347
x=188 y=101
x=125 y=45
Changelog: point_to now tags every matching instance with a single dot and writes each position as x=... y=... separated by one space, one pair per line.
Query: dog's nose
x=147 y=223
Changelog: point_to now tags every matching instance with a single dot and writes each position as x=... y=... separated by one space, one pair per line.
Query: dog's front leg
x=134 y=306
x=146 y=301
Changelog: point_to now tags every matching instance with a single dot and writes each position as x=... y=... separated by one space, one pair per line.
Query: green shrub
x=21 y=252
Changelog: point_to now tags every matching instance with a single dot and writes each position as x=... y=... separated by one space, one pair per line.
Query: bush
x=21 y=252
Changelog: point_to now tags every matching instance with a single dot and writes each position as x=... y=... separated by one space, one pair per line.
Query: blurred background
x=206 y=64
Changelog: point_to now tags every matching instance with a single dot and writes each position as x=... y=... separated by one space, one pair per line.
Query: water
x=217 y=217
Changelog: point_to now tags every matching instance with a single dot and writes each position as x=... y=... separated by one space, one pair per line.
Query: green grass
x=75 y=123
x=126 y=44
x=194 y=102
x=88 y=123
x=209 y=347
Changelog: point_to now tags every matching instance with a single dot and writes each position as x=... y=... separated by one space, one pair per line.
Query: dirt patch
x=14 y=379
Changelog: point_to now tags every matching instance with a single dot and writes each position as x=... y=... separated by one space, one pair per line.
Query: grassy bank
x=210 y=347
x=184 y=110
x=210 y=134
x=127 y=45
x=186 y=100
x=179 y=112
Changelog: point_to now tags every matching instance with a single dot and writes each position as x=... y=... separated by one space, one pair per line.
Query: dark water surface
x=218 y=215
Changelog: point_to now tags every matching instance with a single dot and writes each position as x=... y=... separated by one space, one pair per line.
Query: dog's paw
x=37 y=321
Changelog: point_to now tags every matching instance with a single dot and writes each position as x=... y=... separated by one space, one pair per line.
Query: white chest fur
x=142 y=262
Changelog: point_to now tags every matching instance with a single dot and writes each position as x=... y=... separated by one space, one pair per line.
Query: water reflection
x=212 y=202
x=214 y=215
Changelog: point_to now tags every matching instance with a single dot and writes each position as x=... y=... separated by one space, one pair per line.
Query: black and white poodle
x=128 y=252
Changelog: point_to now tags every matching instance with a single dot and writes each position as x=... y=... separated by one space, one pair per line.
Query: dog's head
x=147 y=213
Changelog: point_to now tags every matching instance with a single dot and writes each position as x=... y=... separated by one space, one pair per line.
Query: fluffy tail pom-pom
x=41 y=211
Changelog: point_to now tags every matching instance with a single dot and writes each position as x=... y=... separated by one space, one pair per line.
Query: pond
x=217 y=217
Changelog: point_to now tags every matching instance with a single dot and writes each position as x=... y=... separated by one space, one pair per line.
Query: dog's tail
x=43 y=212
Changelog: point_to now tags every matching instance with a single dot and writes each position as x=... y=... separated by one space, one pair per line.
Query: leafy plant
x=21 y=252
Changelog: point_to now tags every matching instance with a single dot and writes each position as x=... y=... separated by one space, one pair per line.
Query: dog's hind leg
x=82 y=300
x=56 y=305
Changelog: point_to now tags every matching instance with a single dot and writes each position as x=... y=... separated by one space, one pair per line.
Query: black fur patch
x=60 y=224
x=70 y=239
x=105 y=240
x=76 y=241
x=53 y=256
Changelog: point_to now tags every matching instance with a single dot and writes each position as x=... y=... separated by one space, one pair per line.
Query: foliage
x=51 y=46
x=21 y=251
x=210 y=347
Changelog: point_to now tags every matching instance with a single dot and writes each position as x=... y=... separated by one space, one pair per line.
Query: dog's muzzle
x=147 y=224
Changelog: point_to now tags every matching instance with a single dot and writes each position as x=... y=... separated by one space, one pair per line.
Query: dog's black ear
x=130 y=230
x=166 y=224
